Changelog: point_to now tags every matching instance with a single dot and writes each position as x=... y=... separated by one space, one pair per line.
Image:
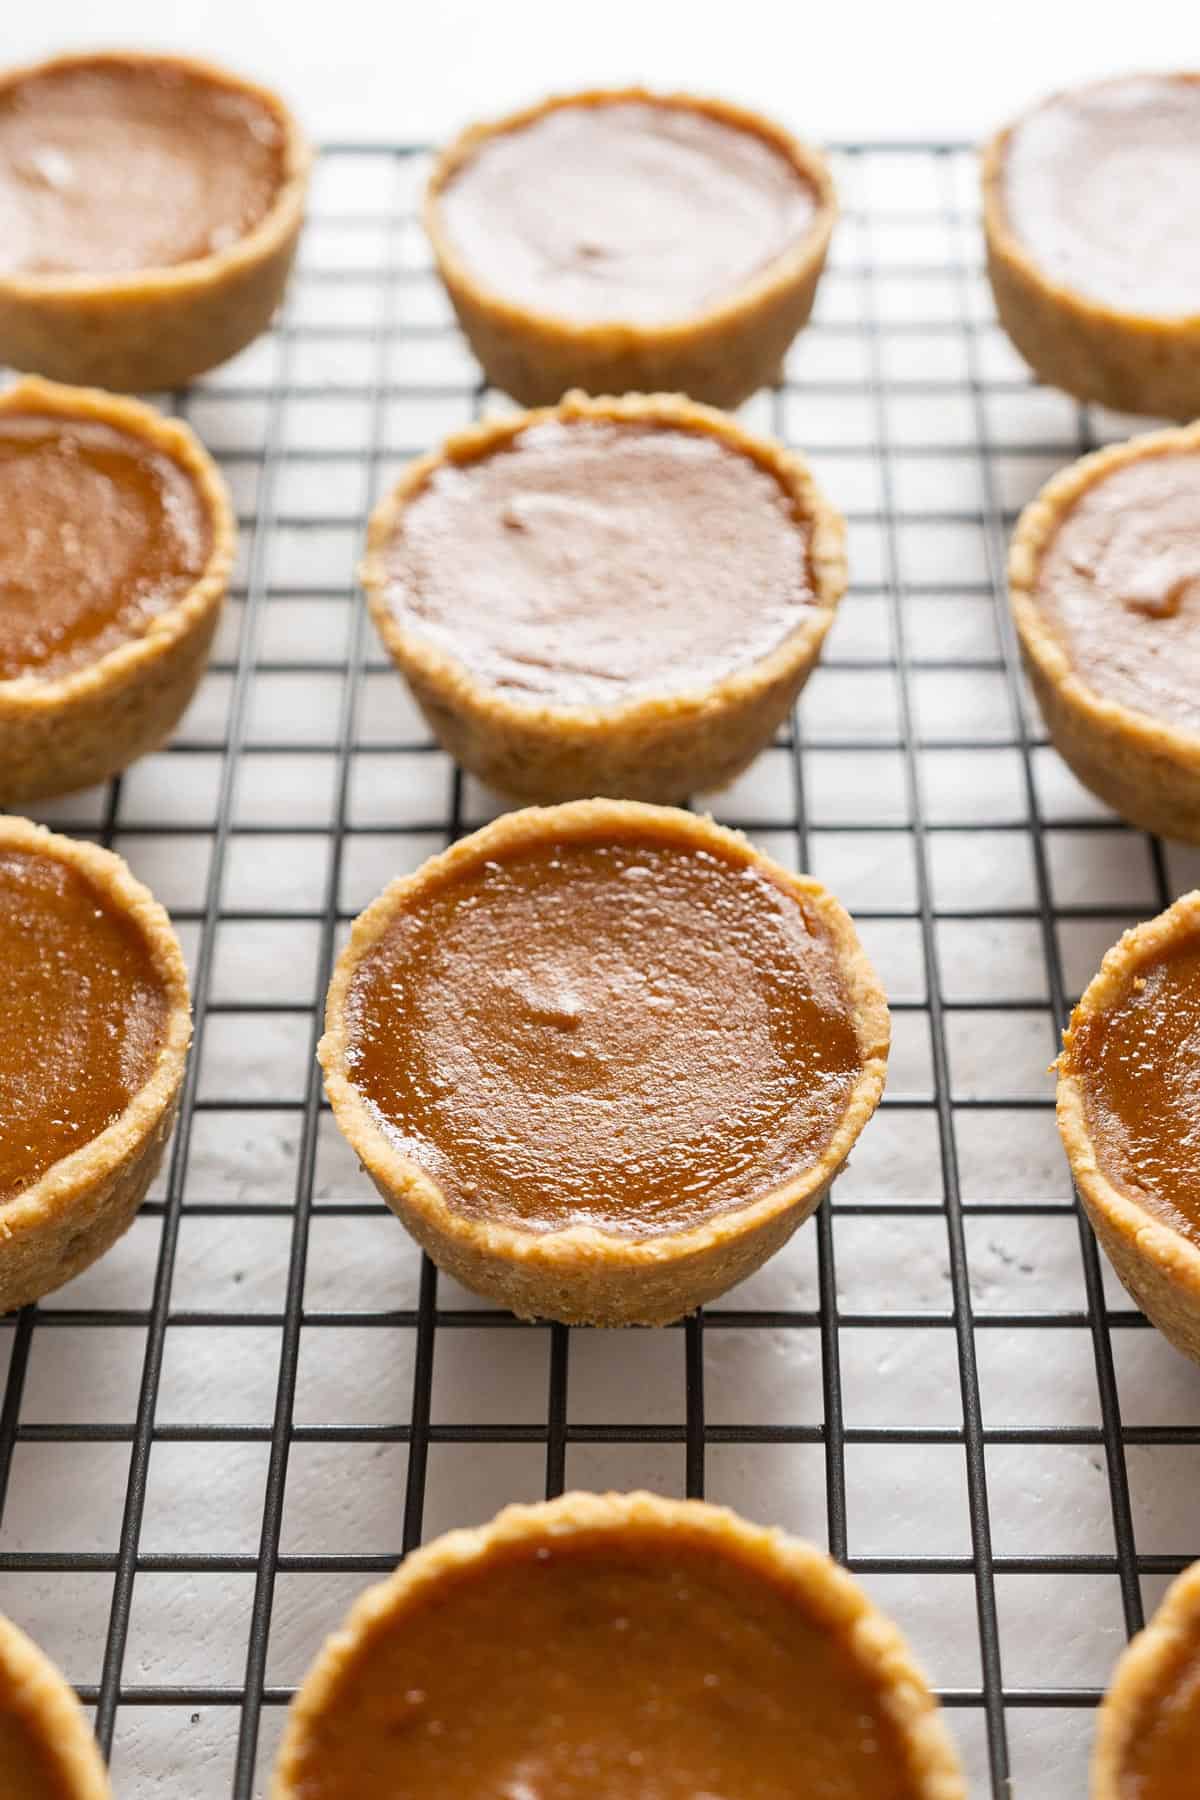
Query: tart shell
x=153 y=329
x=77 y=729
x=826 y=1593
x=1145 y=768
x=84 y=1202
x=1132 y=362
x=652 y=747
x=580 y=1274
x=1136 y=1681
x=32 y=1689
x=721 y=354
x=1157 y=1265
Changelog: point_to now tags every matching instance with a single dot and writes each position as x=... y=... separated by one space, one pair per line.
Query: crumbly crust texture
x=85 y=1201
x=51 y=1712
x=1131 y=362
x=1158 y=1265
x=825 y=1591
x=721 y=355
x=1144 y=768
x=582 y=1275
x=159 y=328
x=78 y=729
x=1137 y=1681
x=655 y=748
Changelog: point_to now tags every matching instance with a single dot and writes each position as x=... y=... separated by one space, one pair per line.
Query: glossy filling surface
x=1099 y=185
x=650 y=1666
x=99 y=534
x=83 y=1010
x=632 y=1035
x=1119 y=584
x=624 y=211
x=107 y=168
x=593 y=562
x=1139 y=1065
x=1164 y=1748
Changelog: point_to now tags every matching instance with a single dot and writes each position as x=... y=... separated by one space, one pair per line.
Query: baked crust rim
x=50 y=1709
x=1136 y=1680
x=830 y=1596
x=545 y=1256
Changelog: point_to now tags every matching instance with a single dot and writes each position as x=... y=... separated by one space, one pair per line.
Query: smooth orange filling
x=600 y=1667
x=100 y=533
x=1119 y=583
x=591 y=561
x=110 y=167
x=634 y=1035
x=1163 y=1755
x=84 y=1013
x=1138 y=1062
x=625 y=210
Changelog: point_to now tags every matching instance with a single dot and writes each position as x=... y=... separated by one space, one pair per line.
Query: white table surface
x=407 y=69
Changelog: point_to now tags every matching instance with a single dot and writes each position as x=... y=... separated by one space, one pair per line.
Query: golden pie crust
x=721 y=355
x=84 y=1202
x=657 y=748
x=1132 y=362
x=580 y=1274
x=1158 y=1265
x=35 y=1696
x=824 y=1590
x=1138 y=1679
x=155 y=329
x=71 y=731
x=1145 y=768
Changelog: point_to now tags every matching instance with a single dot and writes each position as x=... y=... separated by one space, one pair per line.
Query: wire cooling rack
x=215 y=1438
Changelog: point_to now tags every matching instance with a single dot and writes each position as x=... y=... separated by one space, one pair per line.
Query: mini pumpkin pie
x=47 y=1751
x=602 y=1059
x=1148 y=1729
x=116 y=544
x=1129 y=1114
x=620 y=241
x=149 y=212
x=612 y=1646
x=1104 y=577
x=615 y=597
x=1093 y=242
x=94 y=998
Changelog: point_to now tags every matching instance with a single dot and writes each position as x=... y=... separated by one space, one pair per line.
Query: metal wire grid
x=933 y=1378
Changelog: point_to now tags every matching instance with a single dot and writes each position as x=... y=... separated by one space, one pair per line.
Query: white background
x=405 y=69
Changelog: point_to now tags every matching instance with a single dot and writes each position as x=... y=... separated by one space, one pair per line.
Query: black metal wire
x=412 y=1422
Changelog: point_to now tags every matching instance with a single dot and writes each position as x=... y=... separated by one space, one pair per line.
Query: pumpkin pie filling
x=1098 y=187
x=595 y=561
x=650 y=1663
x=1136 y=1061
x=633 y=1034
x=100 y=533
x=625 y=210
x=84 y=1014
x=1119 y=585
x=110 y=166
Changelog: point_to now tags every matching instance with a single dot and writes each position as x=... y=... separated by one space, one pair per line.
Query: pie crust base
x=580 y=1274
x=1131 y=362
x=1158 y=1265
x=1146 y=769
x=84 y=1202
x=827 y=1592
x=1136 y=1680
x=32 y=1687
x=156 y=329
x=657 y=748
x=721 y=355
x=75 y=730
